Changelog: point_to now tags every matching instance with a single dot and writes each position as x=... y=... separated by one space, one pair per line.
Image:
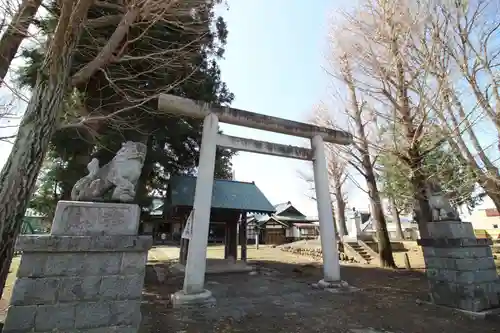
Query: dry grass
x=217 y=252
x=9 y=285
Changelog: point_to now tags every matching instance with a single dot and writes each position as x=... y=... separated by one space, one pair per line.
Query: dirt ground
x=280 y=299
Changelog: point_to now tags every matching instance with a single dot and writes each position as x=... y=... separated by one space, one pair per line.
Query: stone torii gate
x=193 y=290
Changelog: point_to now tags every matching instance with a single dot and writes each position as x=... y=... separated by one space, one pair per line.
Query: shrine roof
x=226 y=194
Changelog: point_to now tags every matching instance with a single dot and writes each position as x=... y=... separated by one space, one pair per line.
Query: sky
x=273 y=65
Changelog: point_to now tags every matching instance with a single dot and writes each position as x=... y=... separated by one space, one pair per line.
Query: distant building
x=230 y=200
x=485 y=221
x=34 y=223
x=287 y=224
x=368 y=225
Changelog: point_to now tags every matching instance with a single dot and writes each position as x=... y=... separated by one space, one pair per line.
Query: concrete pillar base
x=203 y=299
x=334 y=286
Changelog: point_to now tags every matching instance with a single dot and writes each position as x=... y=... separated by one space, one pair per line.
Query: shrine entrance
x=194 y=279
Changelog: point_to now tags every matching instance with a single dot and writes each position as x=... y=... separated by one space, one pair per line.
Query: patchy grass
x=9 y=285
x=217 y=252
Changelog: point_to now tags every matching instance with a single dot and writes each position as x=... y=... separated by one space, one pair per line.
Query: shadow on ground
x=279 y=298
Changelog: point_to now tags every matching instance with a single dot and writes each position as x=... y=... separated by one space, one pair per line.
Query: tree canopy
x=443 y=165
x=123 y=97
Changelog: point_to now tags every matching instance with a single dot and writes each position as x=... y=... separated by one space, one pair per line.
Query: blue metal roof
x=226 y=194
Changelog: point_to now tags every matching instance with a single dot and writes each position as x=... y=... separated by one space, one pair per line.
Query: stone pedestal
x=353 y=229
x=460 y=268
x=86 y=276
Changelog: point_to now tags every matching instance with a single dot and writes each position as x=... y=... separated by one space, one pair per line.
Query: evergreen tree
x=125 y=95
x=443 y=166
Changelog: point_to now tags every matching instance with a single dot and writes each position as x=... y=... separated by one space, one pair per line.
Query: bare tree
x=16 y=32
x=337 y=175
x=406 y=56
x=396 y=218
x=18 y=177
x=9 y=119
x=465 y=63
x=46 y=110
x=360 y=156
x=383 y=38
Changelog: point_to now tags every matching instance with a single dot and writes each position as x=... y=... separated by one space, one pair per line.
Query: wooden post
x=184 y=245
x=257 y=235
x=233 y=233
x=227 y=240
x=407 y=261
x=243 y=236
x=184 y=251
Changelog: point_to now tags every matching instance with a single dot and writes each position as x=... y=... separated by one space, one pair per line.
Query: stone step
x=361 y=251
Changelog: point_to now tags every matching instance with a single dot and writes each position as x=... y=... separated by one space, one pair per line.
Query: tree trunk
x=422 y=207
x=396 y=219
x=384 y=243
x=492 y=189
x=19 y=174
x=142 y=196
x=75 y=169
x=18 y=177
x=15 y=34
x=340 y=203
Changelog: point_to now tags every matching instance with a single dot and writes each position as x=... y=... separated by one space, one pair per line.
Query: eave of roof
x=226 y=194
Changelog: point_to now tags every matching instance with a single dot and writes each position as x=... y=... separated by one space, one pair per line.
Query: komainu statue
x=121 y=174
x=442 y=209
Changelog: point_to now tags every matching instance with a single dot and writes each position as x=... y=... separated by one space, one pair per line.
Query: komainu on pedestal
x=121 y=175
x=87 y=275
x=460 y=268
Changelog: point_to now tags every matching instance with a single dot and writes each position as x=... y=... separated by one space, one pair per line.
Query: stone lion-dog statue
x=121 y=174
x=442 y=209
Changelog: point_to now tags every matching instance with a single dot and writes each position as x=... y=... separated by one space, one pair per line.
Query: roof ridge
x=226 y=194
x=284 y=203
x=215 y=179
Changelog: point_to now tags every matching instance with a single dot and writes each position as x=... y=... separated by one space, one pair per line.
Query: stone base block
x=334 y=286
x=99 y=316
x=450 y=229
x=471 y=297
x=86 y=276
x=204 y=299
x=78 y=284
x=462 y=277
x=460 y=268
x=80 y=218
x=485 y=314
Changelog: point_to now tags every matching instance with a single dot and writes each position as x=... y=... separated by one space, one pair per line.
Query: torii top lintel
x=187 y=107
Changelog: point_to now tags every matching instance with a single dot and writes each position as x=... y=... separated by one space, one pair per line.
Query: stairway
x=361 y=251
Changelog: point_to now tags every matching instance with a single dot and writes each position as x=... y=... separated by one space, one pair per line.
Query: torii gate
x=193 y=290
